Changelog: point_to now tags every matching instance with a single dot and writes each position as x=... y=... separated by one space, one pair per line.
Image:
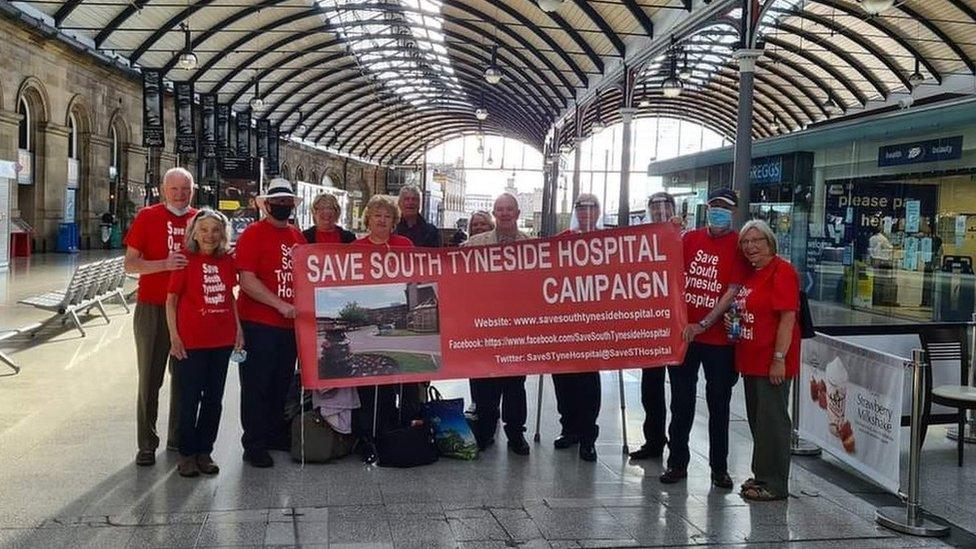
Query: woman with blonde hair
x=201 y=314
x=326 y=213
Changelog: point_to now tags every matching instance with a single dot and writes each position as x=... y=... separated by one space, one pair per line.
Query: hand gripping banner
x=602 y=300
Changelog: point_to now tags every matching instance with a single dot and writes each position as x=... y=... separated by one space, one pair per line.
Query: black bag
x=807 y=330
x=408 y=446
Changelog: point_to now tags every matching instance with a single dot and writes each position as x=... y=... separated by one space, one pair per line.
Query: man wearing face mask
x=714 y=270
x=268 y=321
x=154 y=248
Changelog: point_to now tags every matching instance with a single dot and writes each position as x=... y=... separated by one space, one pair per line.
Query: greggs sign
x=602 y=300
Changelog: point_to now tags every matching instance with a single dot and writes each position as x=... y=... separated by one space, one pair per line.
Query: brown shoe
x=145 y=458
x=206 y=464
x=188 y=467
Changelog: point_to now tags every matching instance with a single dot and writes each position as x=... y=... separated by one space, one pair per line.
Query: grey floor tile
x=173 y=535
x=232 y=534
x=577 y=524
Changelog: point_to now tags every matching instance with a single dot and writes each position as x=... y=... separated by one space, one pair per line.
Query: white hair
x=763 y=229
x=182 y=172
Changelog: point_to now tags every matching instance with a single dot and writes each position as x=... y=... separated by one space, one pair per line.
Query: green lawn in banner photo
x=401 y=333
x=410 y=363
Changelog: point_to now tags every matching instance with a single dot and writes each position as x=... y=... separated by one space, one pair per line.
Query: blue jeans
x=201 y=382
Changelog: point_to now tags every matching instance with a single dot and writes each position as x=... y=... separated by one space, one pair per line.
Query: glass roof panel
x=398 y=41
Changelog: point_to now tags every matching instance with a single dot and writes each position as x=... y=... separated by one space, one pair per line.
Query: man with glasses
x=714 y=270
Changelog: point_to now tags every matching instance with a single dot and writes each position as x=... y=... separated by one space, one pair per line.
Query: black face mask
x=281 y=212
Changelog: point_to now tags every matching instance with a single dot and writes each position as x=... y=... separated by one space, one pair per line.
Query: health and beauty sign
x=850 y=405
x=601 y=300
x=932 y=150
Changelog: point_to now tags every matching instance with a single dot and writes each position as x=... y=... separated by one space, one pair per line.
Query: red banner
x=602 y=300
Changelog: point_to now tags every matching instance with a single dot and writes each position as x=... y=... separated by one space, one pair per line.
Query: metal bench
x=90 y=285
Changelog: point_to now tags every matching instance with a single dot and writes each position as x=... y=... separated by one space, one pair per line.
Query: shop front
x=877 y=216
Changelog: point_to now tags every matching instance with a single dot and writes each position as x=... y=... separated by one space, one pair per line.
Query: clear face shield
x=587 y=216
x=660 y=208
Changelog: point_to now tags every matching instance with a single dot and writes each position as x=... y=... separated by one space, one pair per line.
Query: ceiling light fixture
x=492 y=74
x=672 y=86
x=302 y=127
x=565 y=148
x=685 y=72
x=481 y=113
x=187 y=60
x=550 y=5
x=256 y=103
x=597 y=125
x=645 y=100
x=916 y=78
x=874 y=7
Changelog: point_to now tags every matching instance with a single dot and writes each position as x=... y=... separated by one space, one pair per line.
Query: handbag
x=452 y=434
x=408 y=446
x=807 y=329
x=321 y=443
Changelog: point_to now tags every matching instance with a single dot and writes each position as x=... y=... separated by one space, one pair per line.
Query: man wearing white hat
x=268 y=320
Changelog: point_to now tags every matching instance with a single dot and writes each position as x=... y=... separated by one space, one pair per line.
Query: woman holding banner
x=380 y=216
x=326 y=212
x=767 y=355
x=479 y=222
x=578 y=394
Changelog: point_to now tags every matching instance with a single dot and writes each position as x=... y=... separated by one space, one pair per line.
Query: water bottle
x=735 y=322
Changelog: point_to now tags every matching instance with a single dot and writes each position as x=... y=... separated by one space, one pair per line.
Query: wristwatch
x=704 y=324
x=779 y=356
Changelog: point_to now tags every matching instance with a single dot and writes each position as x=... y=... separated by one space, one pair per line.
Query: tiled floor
x=67 y=439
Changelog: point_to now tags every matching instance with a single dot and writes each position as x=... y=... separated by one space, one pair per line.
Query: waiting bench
x=90 y=286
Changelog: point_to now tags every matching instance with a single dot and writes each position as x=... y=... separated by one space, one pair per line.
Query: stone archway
x=28 y=201
x=118 y=136
x=90 y=193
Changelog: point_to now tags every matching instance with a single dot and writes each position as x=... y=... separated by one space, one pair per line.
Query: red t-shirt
x=712 y=264
x=328 y=237
x=770 y=290
x=265 y=250
x=156 y=232
x=396 y=241
x=204 y=313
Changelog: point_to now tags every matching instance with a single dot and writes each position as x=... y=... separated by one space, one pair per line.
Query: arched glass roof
x=379 y=79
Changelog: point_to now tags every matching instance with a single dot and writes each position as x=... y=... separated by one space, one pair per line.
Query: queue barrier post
x=623 y=410
x=969 y=430
x=910 y=518
x=799 y=446
x=538 y=410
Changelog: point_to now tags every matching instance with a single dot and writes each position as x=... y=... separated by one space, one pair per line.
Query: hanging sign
x=274 y=140
x=243 y=125
x=263 y=127
x=222 y=132
x=208 y=123
x=932 y=150
x=152 y=109
x=186 y=139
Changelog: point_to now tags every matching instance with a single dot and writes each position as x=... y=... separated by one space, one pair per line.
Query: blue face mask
x=719 y=218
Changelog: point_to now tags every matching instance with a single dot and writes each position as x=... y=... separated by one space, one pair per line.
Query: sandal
x=759 y=493
x=751 y=483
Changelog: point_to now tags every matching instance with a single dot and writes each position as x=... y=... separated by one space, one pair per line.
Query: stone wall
x=55 y=80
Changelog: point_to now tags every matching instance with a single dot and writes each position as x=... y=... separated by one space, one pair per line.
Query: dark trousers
x=489 y=393
x=152 y=357
x=202 y=377
x=767 y=408
x=655 y=409
x=265 y=378
x=578 y=403
x=718 y=362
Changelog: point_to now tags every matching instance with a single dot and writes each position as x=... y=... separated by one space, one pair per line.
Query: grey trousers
x=767 y=407
x=152 y=356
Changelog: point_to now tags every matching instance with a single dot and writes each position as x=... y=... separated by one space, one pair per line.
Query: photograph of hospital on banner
x=383 y=329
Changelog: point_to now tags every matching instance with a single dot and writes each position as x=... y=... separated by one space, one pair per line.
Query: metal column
x=623 y=208
x=577 y=144
x=743 y=131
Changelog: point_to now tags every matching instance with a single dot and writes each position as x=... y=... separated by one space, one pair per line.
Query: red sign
x=602 y=300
